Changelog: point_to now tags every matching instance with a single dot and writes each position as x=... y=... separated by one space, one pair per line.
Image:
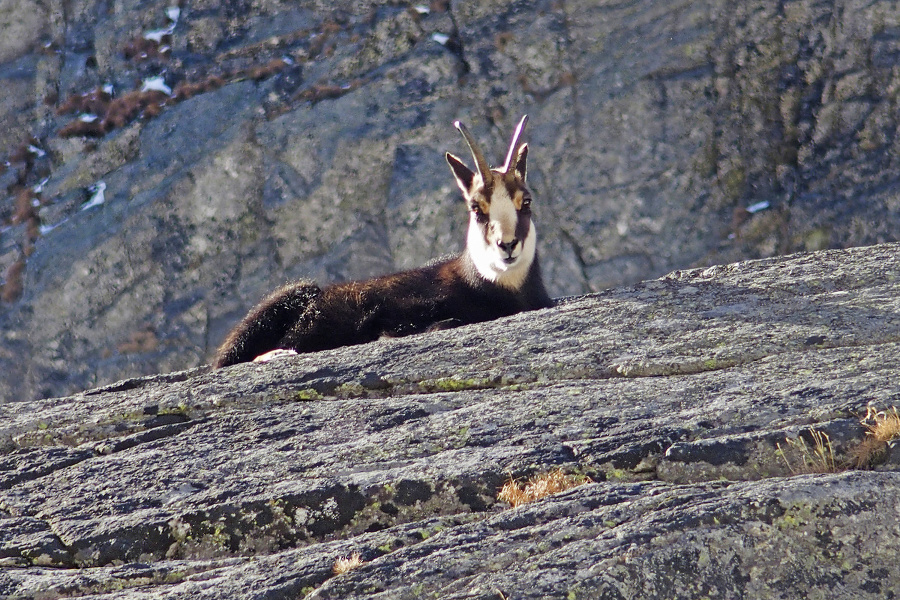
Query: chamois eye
x=480 y=217
x=526 y=203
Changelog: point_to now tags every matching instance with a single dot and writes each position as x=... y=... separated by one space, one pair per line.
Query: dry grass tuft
x=344 y=564
x=882 y=428
x=818 y=458
x=540 y=486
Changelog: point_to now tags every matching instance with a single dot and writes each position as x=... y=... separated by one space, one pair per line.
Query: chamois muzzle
x=508 y=247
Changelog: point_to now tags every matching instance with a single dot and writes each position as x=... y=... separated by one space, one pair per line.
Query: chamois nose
x=509 y=246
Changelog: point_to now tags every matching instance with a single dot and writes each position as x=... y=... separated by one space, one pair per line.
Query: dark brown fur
x=302 y=317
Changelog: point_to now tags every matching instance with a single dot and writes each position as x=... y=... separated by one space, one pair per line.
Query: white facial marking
x=507 y=269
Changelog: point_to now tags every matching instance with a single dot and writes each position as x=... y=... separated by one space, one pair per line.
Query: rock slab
x=685 y=400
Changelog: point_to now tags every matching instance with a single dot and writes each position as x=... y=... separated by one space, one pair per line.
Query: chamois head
x=501 y=239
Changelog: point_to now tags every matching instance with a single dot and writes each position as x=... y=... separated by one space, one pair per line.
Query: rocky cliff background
x=164 y=168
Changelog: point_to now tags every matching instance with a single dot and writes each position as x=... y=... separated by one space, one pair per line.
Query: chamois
x=495 y=276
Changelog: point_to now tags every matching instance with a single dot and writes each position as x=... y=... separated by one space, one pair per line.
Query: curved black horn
x=484 y=169
x=515 y=140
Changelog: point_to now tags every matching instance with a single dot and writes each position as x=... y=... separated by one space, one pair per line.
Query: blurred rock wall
x=240 y=144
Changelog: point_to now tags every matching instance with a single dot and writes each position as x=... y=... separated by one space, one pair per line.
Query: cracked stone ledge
x=322 y=451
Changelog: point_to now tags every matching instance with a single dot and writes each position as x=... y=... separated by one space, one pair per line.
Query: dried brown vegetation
x=143 y=48
x=113 y=113
x=94 y=101
x=815 y=457
x=325 y=91
x=539 y=486
x=25 y=212
x=347 y=563
x=882 y=428
x=24 y=206
x=12 y=287
x=260 y=72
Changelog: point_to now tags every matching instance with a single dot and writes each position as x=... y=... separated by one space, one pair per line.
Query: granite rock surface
x=683 y=404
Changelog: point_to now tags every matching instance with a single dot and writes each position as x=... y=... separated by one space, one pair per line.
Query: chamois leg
x=264 y=327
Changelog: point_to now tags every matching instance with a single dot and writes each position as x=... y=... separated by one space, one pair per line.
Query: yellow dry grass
x=539 y=486
x=882 y=428
x=815 y=458
x=344 y=564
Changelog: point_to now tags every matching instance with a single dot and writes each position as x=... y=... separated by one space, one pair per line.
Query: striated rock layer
x=687 y=400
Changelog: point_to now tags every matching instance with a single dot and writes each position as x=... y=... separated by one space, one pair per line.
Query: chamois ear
x=465 y=177
x=519 y=163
